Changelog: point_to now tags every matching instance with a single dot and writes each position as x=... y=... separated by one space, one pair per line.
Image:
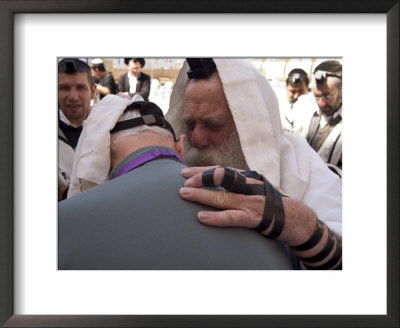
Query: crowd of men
x=215 y=184
x=317 y=115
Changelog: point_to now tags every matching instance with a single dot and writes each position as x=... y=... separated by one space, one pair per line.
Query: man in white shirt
x=294 y=106
x=135 y=82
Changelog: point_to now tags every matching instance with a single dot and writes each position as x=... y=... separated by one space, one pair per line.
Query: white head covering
x=92 y=156
x=286 y=160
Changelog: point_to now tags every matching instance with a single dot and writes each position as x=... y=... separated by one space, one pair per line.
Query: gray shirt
x=139 y=221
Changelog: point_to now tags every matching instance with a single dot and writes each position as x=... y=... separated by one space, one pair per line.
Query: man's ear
x=179 y=145
x=93 y=91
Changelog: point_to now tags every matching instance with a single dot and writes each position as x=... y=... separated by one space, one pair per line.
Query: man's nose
x=321 y=101
x=199 y=138
x=73 y=94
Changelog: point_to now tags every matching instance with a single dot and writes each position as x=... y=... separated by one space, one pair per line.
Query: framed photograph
x=34 y=34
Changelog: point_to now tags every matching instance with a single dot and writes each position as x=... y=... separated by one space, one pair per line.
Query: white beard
x=228 y=154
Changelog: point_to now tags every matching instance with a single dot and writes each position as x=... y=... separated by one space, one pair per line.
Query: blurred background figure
x=324 y=132
x=296 y=84
x=295 y=107
x=135 y=81
x=104 y=80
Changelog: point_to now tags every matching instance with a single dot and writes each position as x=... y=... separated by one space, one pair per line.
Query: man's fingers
x=216 y=198
x=196 y=180
x=227 y=218
x=188 y=172
x=239 y=209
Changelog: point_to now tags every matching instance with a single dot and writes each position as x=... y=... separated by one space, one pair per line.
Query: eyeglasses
x=327 y=98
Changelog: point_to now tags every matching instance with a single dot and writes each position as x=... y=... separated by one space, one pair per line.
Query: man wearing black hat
x=136 y=219
x=135 y=82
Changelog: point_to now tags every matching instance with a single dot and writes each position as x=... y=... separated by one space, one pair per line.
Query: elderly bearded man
x=230 y=115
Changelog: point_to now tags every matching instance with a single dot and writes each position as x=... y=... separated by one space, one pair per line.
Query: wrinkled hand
x=238 y=210
x=245 y=210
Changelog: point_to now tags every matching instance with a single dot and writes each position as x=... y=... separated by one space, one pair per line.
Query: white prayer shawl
x=334 y=139
x=286 y=160
x=92 y=155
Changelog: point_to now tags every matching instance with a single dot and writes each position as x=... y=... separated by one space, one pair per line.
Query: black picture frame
x=7 y=11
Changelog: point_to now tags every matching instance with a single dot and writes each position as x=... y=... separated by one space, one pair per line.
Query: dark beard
x=228 y=154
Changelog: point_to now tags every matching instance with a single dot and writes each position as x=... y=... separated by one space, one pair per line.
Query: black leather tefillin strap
x=324 y=252
x=337 y=256
x=150 y=113
x=314 y=239
x=234 y=181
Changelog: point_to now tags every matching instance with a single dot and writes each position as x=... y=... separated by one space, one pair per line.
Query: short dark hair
x=75 y=65
x=329 y=66
x=296 y=76
x=99 y=66
x=141 y=61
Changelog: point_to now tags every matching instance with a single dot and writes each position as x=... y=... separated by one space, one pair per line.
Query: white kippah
x=97 y=61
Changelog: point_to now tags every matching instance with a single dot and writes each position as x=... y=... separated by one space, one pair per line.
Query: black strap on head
x=200 y=68
x=320 y=76
x=69 y=65
x=150 y=113
x=72 y=65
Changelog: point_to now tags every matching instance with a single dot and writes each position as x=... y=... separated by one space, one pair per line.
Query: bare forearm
x=286 y=219
x=300 y=225
x=102 y=89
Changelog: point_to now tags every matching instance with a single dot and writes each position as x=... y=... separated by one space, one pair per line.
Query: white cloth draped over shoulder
x=92 y=155
x=285 y=159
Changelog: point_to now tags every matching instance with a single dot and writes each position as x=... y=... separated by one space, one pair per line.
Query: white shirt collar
x=64 y=119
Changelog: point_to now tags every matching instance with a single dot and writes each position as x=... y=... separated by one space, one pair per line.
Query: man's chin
x=328 y=111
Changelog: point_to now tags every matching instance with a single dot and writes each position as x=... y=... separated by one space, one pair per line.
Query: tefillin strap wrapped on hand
x=332 y=240
x=234 y=181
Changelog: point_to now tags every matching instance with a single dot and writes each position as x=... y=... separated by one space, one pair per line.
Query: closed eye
x=189 y=124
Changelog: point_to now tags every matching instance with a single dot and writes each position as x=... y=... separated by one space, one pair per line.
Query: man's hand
x=241 y=210
x=247 y=211
x=238 y=210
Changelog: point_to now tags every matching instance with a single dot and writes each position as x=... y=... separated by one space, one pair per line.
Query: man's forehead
x=328 y=85
x=77 y=77
x=297 y=86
